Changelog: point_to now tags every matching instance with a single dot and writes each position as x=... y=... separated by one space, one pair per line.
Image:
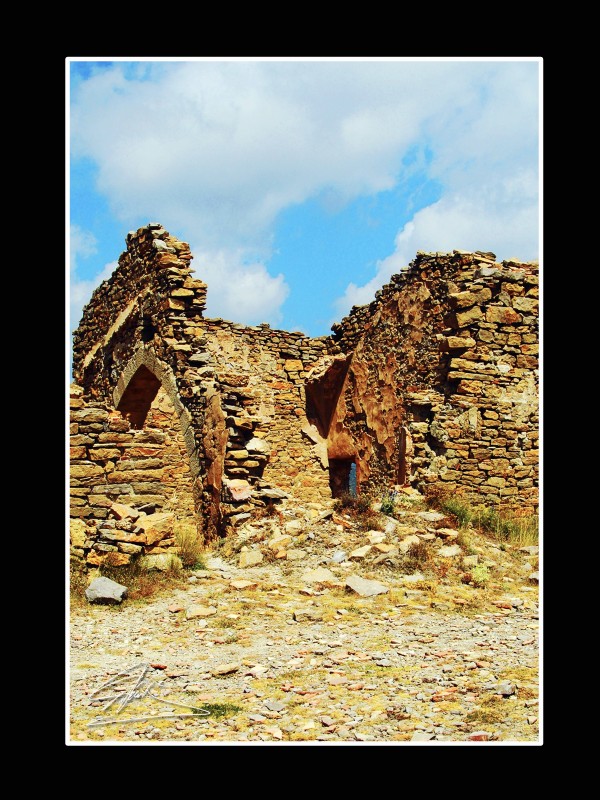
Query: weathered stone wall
x=442 y=386
x=238 y=392
x=260 y=374
x=137 y=333
x=434 y=383
x=111 y=463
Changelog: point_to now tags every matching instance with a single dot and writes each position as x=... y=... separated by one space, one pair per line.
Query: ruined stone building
x=434 y=385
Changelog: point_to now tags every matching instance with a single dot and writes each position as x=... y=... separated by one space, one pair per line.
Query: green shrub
x=388 y=504
x=480 y=575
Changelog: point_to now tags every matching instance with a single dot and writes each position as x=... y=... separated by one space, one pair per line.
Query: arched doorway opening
x=158 y=463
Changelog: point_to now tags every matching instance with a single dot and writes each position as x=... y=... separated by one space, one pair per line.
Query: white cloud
x=82 y=245
x=502 y=218
x=484 y=155
x=81 y=292
x=216 y=150
x=239 y=291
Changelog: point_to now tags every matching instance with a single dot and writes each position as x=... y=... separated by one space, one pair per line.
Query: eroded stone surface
x=434 y=384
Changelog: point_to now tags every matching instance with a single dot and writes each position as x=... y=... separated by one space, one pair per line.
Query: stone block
x=503 y=315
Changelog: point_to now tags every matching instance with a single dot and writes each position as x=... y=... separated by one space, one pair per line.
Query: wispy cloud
x=82 y=245
x=240 y=291
x=502 y=218
x=216 y=150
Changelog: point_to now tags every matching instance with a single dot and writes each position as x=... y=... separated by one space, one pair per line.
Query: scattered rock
x=480 y=736
x=195 y=611
x=534 y=577
x=104 y=591
x=296 y=554
x=339 y=556
x=307 y=615
x=364 y=587
x=447 y=533
x=337 y=680
x=360 y=552
x=248 y=558
x=386 y=548
x=408 y=542
x=242 y=584
x=422 y=736
x=450 y=551
x=275 y=705
x=319 y=575
x=430 y=516
x=278 y=542
x=226 y=669
x=415 y=577
x=327 y=721
x=256 y=670
x=293 y=527
x=506 y=689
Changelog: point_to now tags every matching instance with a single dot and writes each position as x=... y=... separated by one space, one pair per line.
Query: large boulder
x=103 y=590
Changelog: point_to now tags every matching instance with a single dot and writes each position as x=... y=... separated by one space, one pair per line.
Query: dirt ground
x=287 y=652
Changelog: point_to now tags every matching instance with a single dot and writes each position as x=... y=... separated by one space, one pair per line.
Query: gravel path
x=281 y=659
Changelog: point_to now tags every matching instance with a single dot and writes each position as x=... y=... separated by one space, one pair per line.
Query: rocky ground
x=280 y=643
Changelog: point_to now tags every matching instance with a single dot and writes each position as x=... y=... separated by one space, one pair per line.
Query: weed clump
x=388 y=503
x=506 y=527
x=189 y=545
x=358 y=509
x=415 y=559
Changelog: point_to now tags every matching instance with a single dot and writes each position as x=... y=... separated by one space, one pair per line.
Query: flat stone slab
x=103 y=590
x=407 y=543
x=248 y=558
x=242 y=584
x=450 y=551
x=196 y=611
x=319 y=575
x=430 y=516
x=365 y=588
x=360 y=552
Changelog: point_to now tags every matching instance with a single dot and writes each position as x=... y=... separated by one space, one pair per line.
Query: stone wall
x=442 y=387
x=137 y=333
x=112 y=463
x=237 y=392
x=434 y=384
x=260 y=375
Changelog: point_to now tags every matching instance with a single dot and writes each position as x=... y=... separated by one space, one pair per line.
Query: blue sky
x=301 y=185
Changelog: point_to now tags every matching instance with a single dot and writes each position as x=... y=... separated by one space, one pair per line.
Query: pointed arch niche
x=163 y=459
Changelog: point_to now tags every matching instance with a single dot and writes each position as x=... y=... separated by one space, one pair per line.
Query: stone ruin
x=433 y=385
